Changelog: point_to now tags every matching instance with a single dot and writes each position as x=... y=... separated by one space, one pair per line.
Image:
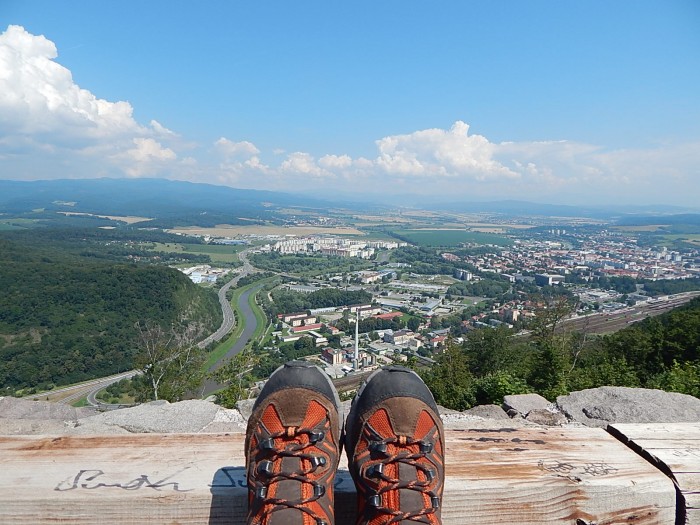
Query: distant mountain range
x=170 y=201
x=511 y=207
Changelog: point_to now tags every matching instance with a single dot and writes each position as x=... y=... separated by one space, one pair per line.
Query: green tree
x=170 y=363
x=413 y=323
x=681 y=377
x=235 y=375
x=491 y=388
x=450 y=380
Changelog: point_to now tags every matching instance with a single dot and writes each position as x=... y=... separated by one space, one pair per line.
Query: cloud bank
x=52 y=128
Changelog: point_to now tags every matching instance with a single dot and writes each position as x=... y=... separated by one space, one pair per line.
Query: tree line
x=66 y=318
x=660 y=352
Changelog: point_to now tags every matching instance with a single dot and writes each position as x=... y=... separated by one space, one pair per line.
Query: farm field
x=15 y=224
x=692 y=238
x=644 y=228
x=120 y=218
x=217 y=253
x=224 y=230
x=451 y=238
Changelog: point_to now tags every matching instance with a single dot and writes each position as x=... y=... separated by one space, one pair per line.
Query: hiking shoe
x=394 y=441
x=293 y=448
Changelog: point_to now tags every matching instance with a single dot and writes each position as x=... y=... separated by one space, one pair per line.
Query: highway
x=250 y=323
x=229 y=321
x=70 y=394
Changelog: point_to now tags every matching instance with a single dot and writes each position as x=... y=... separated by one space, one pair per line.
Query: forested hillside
x=660 y=352
x=66 y=317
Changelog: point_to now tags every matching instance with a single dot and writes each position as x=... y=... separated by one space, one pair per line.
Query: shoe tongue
x=289 y=489
x=409 y=499
x=285 y=517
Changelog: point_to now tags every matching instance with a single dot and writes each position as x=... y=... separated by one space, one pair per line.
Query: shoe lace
x=402 y=452
x=290 y=443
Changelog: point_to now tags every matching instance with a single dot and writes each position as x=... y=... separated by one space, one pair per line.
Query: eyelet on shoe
x=318 y=461
x=261 y=492
x=375 y=470
x=377 y=446
x=321 y=521
x=426 y=447
x=267 y=444
x=375 y=500
x=435 y=502
x=265 y=468
x=315 y=437
x=430 y=474
x=319 y=490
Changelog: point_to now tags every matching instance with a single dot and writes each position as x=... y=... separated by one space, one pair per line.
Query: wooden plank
x=530 y=477
x=675 y=449
x=553 y=476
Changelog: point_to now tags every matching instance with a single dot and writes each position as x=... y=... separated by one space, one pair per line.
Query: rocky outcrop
x=20 y=416
x=521 y=404
x=597 y=407
x=488 y=412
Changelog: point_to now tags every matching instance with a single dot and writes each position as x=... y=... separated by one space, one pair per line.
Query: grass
x=260 y=318
x=693 y=238
x=82 y=402
x=643 y=228
x=217 y=253
x=452 y=238
x=16 y=224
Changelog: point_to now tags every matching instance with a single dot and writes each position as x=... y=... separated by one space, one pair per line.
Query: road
x=70 y=394
x=250 y=324
x=229 y=321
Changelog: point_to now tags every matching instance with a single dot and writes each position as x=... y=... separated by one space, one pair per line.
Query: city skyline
x=571 y=104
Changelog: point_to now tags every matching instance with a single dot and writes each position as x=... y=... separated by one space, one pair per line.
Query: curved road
x=250 y=324
x=228 y=321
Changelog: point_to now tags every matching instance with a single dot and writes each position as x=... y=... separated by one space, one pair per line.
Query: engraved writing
x=569 y=469
x=97 y=479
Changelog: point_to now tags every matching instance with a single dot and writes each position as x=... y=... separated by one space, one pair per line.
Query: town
x=412 y=313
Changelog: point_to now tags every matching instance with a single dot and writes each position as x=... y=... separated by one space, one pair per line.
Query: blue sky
x=550 y=101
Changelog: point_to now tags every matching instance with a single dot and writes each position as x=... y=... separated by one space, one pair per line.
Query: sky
x=564 y=101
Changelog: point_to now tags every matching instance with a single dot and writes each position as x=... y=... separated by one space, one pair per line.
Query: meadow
x=451 y=238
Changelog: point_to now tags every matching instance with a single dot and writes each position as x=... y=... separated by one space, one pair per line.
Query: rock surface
x=523 y=403
x=596 y=407
x=20 y=416
x=487 y=412
x=546 y=417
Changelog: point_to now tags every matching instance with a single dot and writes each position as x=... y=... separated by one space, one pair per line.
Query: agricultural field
x=225 y=230
x=690 y=238
x=217 y=253
x=649 y=228
x=121 y=218
x=451 y=238
x=15 y=224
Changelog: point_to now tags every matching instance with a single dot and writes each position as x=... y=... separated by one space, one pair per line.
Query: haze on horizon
x=571 y=103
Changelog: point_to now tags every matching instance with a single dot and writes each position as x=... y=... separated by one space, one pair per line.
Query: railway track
x=605 y=323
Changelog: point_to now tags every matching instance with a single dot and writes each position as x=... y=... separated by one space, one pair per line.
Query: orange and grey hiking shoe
x=395 y=445
x=293 y=448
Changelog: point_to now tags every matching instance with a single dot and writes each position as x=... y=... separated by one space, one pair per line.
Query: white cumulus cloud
x=230 y=149
x=43 y=110
x=437 y=152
